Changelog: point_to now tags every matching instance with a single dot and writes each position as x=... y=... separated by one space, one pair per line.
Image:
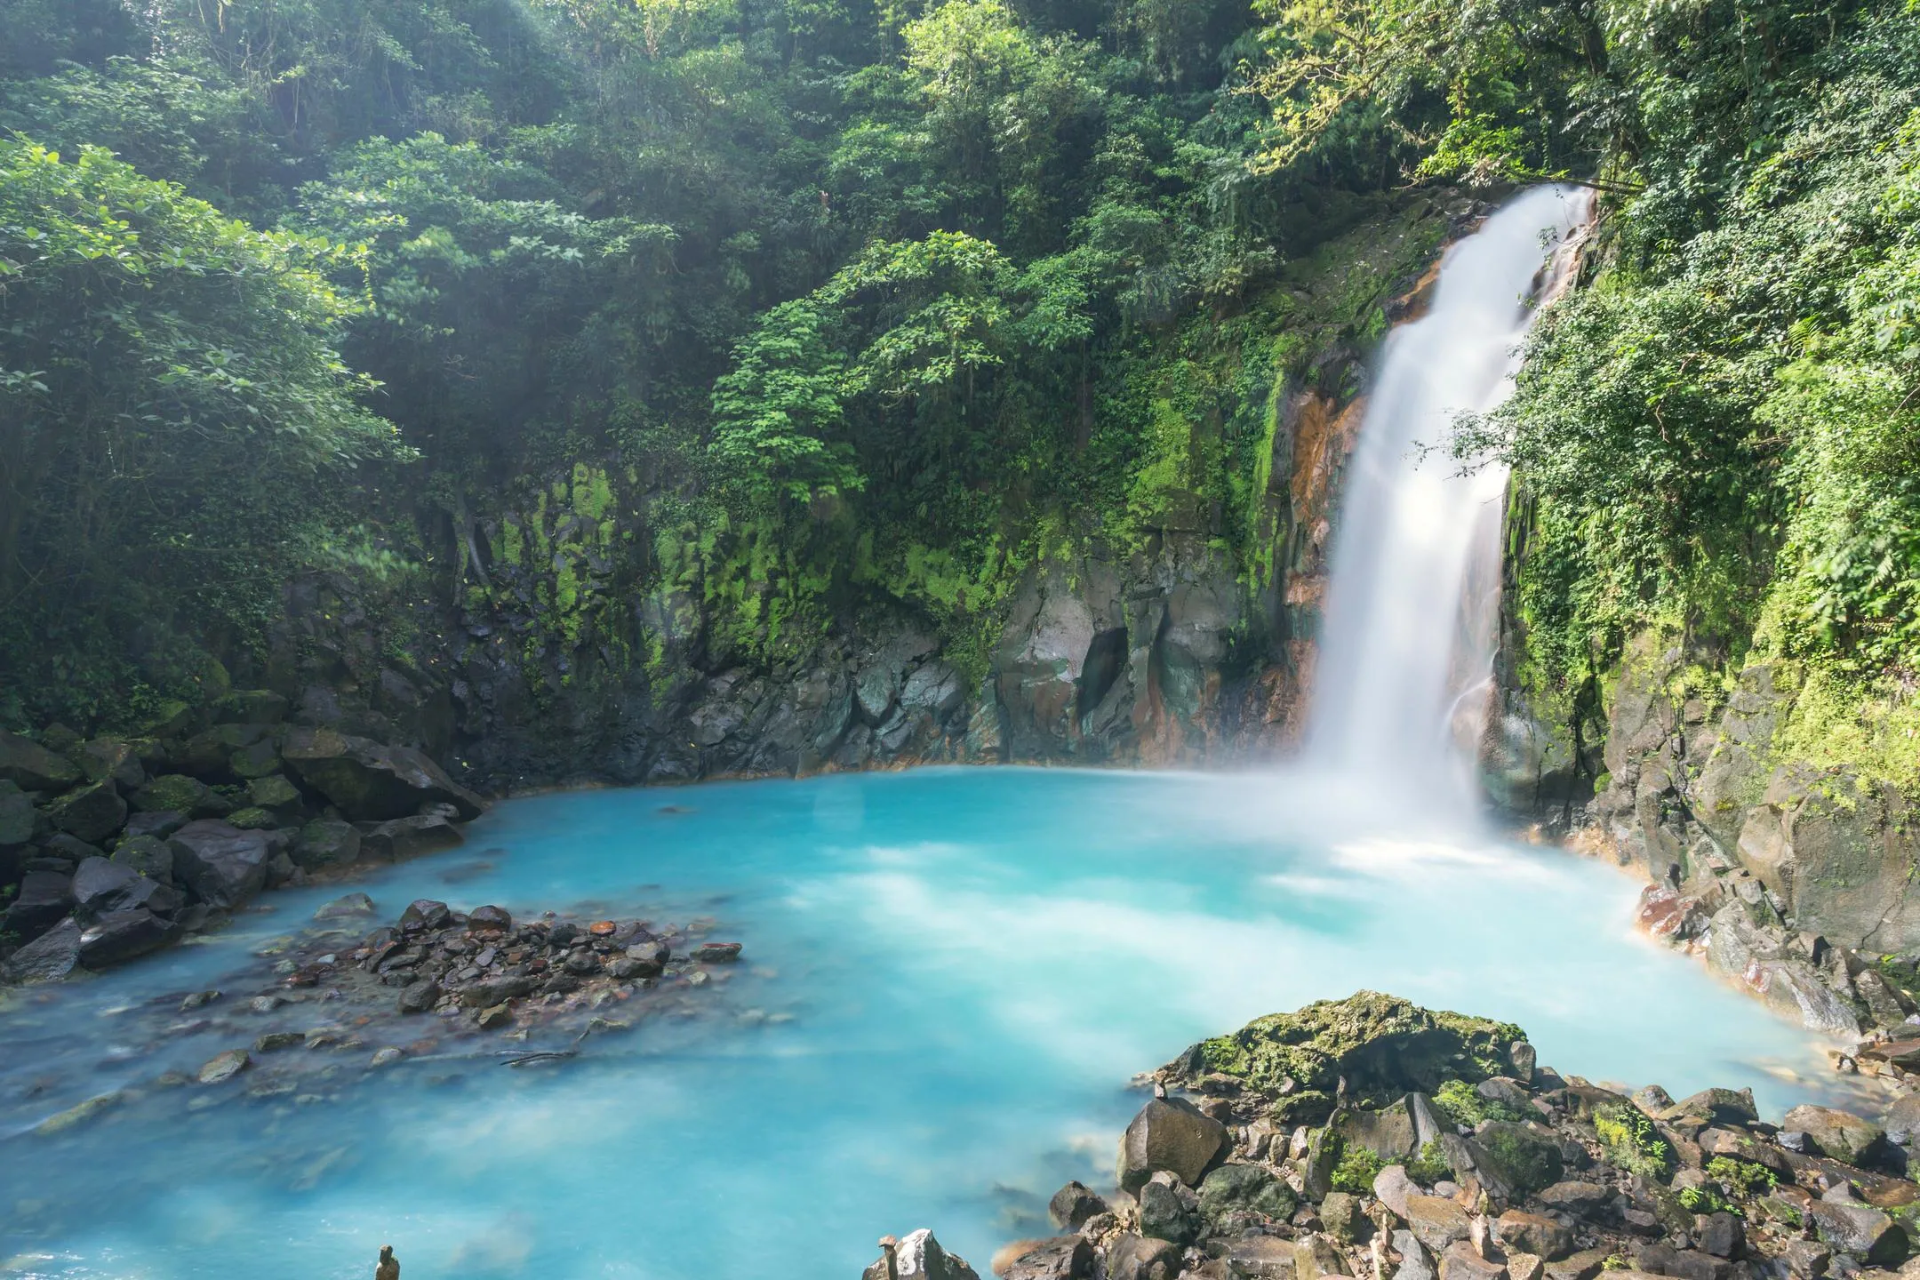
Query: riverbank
x=1371 y=1138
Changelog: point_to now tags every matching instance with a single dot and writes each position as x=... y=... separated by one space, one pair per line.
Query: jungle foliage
x=857 y=297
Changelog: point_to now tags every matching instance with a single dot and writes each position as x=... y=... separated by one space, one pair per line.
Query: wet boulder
x=119 y=936
x=1263 y=1258
x=145 y=856
x=484 y=995
x=44 y=897
x=490 y=917
x=1721 y=1106
x=1318 y=1254
x=326 y=843
x=1903 y=1119
x=98 y=884
x=1169 y=1134
x=16 y=816
x=402 y=838
x=223 y=865
x=370 y=782
x=48 y=958
x=425 y=914
x=1395 y=1131
x=176 y=792
x=1840 y=1135
x=111 y=760
x=158 y=823
x=347 y=907
x=32 y=767
x=90 y=813
x=101 y=887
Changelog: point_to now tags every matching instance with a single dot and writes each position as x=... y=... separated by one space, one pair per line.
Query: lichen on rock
x=1382 y=1046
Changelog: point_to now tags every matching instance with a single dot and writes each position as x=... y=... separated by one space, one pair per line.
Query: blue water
x=949 y=977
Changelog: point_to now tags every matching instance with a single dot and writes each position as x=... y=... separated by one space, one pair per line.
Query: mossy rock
x=1247 y=1187
x=1384 y=1046
x=179 y=793
x=273 y=792
x=251 y=706
x=252 y=818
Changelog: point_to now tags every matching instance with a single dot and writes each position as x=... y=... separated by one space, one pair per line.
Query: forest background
x=804 y=306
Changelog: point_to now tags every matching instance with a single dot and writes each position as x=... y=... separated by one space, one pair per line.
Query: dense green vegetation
x=788 y=304
x=811 y=299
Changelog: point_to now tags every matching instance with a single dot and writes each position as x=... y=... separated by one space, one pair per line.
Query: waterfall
x=1412 y=615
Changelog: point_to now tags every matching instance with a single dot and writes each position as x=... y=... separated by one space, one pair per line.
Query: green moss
x=1629 y=1141
x=1463 y=1105
x=1742 y=1176
x=1382 y=1045
x=1356 y=1170
x=1430 y=1165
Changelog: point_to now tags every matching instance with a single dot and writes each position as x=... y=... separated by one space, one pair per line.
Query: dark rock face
x=402 y=838
x=1169 y=1135
x=32 y=767
x=44 y=897
x=48 y=958
x=370 y=782
x=146 y=856
x=326 y=843
x=118 y=936
x=90 y=813
x=223 y=865
x=1699 y=800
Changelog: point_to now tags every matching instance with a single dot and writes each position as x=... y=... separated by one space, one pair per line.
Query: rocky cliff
x=1797 y=881
x=583 y=644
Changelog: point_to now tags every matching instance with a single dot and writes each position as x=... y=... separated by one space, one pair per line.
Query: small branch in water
x=552 y=1055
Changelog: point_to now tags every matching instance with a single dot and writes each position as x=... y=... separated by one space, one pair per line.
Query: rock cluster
x=334 y=1007
x=1495 y=1170
x=115 y=847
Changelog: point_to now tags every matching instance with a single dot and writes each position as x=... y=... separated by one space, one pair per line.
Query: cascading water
x=1411 y=615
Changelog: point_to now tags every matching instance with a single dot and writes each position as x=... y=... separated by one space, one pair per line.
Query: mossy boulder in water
x=1382 y=1046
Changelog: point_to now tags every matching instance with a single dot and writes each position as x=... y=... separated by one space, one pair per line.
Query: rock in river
x=223 y=865
x=225 y=1067
x=1169 y=1134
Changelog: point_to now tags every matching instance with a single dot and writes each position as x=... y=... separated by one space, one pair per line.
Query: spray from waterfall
x=1412 y=617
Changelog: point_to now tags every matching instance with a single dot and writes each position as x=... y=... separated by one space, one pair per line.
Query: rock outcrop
x=1795 y=882
x=116 y=847
x=1530 y=1176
